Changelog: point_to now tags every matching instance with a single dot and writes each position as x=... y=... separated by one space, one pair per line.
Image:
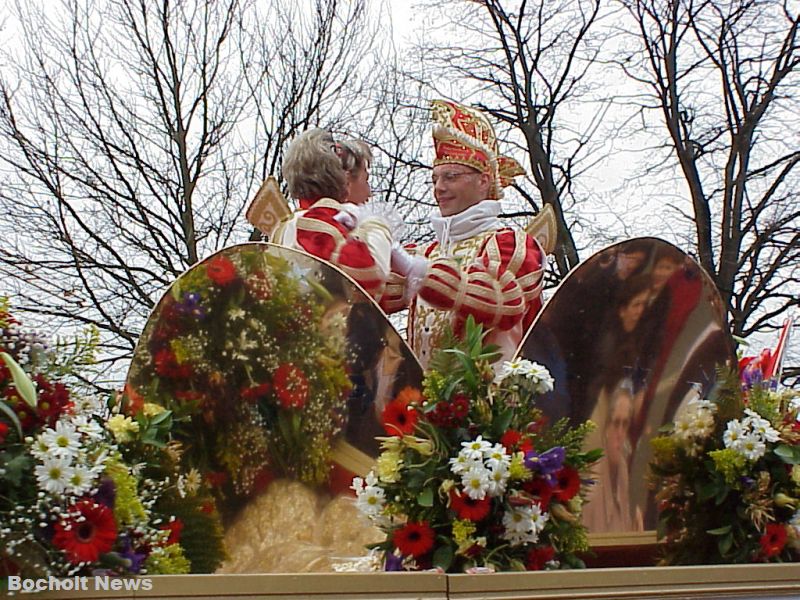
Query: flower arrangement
x=246 y=351
x=727 y=475
x=76 y=497
x=471 y=476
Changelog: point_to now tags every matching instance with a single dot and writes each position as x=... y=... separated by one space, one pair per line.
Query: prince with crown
x=476 y=266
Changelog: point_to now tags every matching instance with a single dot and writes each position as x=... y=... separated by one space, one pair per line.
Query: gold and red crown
x=464 y=136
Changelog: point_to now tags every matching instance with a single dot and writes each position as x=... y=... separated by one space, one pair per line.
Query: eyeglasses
x=451 y=176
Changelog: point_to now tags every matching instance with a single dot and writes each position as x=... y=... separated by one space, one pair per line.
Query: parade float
x=276 y=437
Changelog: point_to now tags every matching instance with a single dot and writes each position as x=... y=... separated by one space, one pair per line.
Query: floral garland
x=76 y=496
x=247 y=353
x=727 y=475
x=471 y=477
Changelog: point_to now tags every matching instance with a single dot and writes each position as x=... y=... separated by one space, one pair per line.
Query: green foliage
x=466 y=405
x=720 y=502
x=202 y=535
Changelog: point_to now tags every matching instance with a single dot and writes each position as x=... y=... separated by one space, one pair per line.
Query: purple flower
x=546 y=463
x=191 y=306
x=106 y=493
x=136 y=559
x=393 y=562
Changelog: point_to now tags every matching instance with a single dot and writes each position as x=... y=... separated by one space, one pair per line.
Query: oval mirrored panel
x=277 y=368
x=629 y=336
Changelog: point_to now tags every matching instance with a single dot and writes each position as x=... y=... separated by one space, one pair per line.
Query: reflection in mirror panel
x=275 y=366
x=629 y=336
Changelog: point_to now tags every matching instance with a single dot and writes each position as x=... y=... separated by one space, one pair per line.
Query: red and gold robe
x=363 y=251
x=493 y=273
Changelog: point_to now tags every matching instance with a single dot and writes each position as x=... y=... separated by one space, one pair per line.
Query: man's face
x=457 y=187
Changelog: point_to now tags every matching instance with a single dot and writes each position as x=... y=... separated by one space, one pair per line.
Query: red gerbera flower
x=175 y=528
x=3 y=432
x=539 y=557
x=568 y=483
x=773 y=541
x=221 y=271
x=291 y=386
x=399 y=418
x=540 y=490
x=85 y=537
x=414 y=539
x=469 y=509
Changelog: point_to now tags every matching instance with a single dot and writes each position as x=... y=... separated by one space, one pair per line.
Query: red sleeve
x=318 y=233
x=499 y=289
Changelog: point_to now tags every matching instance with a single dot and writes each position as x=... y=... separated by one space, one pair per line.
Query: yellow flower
x=388 y=467
x=462 y=530
x=122 y=427
x=663 y=449
x=424 y=447
x=784 y=500
x=730 y=463
x=517 y=471
x=391 y=444
x=151 y=409
x=444 y=489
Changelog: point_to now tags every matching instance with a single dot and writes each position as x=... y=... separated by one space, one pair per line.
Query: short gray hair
x=317 y=166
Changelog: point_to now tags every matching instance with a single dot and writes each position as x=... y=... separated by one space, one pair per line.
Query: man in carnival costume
x=476 y=266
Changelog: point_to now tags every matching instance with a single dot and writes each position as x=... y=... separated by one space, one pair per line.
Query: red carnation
x=221 y=271
x=291 y=386
x=469 y=509
x=460 y=406
x=399 y=418
x=773 y=541
x=85 y=537
x=540 y=490
x=568 y=483
x=3 y=432
x=175 y=528
x=414 y=539
x=539 y=557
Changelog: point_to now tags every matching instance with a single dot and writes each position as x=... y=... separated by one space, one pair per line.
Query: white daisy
x=475 y=482
x=463 y=463
x=497 y=456
x=498 y=478
x=54 y=474
x=476 y=449
x=538 y=518
x=519 y=527
x=703 y=424
x=81 y=479
x=734 y=432
x=541 y=377
x=517 y=366
x=760 y=426
x=753 y=446
x=64 y=440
